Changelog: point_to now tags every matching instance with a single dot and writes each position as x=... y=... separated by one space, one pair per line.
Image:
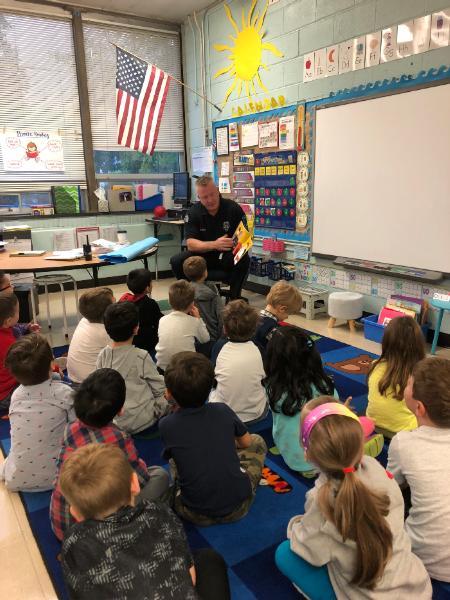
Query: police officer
x=210 y=225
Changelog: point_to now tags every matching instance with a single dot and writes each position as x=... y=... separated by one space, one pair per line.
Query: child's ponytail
x=358 y=513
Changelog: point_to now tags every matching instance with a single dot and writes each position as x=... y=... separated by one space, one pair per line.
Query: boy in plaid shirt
x=97 y=401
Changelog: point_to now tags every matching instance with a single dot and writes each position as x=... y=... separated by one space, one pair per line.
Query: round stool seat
x=345 y=305
x=49 y=279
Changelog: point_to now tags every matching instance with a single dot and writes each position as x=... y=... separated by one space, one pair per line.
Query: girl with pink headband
x=350 y=543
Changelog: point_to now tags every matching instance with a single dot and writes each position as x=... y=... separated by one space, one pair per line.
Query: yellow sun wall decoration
x=246 y=53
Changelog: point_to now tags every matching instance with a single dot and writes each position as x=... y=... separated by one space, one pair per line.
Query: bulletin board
x=257 y=164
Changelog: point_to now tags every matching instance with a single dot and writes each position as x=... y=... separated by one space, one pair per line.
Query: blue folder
x=129 y=252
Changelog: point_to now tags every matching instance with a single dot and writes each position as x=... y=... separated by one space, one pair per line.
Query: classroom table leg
x=95 y=275
x=436 y=331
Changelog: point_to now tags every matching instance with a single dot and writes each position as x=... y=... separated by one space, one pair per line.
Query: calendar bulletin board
x=259 y=163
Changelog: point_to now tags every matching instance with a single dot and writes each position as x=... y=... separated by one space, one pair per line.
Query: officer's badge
x=226 y=226
x=186 y=218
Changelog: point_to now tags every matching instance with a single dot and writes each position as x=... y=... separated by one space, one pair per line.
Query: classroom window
x=39 y=92
x=161 y=49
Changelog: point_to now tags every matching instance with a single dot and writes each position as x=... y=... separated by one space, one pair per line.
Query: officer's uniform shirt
x=202 y=226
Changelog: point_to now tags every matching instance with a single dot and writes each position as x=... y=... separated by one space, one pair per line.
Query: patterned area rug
x=248 y=546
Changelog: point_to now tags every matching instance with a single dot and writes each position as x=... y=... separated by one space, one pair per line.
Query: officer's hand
x=223 y=243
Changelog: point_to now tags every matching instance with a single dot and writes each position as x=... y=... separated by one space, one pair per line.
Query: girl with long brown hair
x=350 y=543
x=402 y=347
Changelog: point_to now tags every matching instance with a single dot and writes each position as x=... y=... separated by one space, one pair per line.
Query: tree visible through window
x=109 y=162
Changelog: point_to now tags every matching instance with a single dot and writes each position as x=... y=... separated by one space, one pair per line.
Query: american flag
x=141 y=92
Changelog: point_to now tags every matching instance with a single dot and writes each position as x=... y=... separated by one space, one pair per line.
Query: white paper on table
x=225 y=169
x=346 y=54
x=422 y=34
x=249 y=134
x=309 y=72
x=389 y=44
x=286 y=133
x=268 y=134
x=333 y=60
x=109 y=232
x=202 y=161
x=222 y=141
x=224 y=185
x=440 y=29
x=373 y=49
x=234 y=136
x=65 y=255
x=320 y=63
x=360 y=52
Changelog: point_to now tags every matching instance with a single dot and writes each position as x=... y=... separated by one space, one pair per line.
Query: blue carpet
x=248 y=546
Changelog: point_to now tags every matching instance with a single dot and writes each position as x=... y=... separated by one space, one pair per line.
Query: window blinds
x=161 y=49
x=38 y=90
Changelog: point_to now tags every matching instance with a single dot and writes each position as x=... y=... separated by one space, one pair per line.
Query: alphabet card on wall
x=309 y=73
x=389 y=44
x=373 y=49
x=320 y=61
x=360 y=53
x=422 y=34
x=346 y=56
x=440 y=29
x=333 y=60
x=405 y=39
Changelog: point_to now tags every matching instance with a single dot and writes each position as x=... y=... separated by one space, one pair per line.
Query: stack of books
x=401 y=306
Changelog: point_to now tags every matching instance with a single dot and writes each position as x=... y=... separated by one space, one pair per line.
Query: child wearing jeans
x=350 y=543
x=284 y=299
x=183 y=327
x=420 y=459
x=90 y=336
x=139 y=282
x=217 y=464
x=98 y=399
x=118 y=549
x=402 y=347
x=145 y=402
x=40 y=409
x=238 y=364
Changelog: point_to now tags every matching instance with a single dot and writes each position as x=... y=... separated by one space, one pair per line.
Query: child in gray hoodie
x=207 y=298
x=145 y=402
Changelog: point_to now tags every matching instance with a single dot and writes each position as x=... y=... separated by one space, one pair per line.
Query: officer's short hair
x=204 y=180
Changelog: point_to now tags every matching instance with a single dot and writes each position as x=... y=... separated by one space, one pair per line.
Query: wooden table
x=39 y=264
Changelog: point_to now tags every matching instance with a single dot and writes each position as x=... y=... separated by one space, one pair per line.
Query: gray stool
x=60 y=280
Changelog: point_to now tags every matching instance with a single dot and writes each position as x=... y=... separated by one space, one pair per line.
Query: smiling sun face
x=246 y=53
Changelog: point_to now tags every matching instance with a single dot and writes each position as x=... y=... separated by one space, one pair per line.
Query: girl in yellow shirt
x=402 y=347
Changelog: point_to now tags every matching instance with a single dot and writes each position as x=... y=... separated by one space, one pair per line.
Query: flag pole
x=171 y=76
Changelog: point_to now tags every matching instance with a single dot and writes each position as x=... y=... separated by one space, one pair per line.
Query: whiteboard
x=382 y=179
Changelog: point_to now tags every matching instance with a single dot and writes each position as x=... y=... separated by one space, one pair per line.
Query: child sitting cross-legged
x=420 y=459
x=217 y=464
x=118 y=549
x=9 y=317
x=145 y=402
x=284 y=299
x=238 y=364
x=402 y=347
x=183 y=327
x=90 y=336
x=40 y=409
x=139 y=282
x=350 y=543
x=207 y=298
x=98 y=399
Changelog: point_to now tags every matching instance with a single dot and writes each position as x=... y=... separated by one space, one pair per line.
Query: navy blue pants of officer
x=217 y=261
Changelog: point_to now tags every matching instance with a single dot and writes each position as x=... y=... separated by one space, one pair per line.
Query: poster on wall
x=286 y=133
x=346 y=56
x=309 y=72
x=422 y=33
x=268 y=134
x=27 y=150
x=222 y=141
x=373 y=49
x=249 y=134
x=234 y=136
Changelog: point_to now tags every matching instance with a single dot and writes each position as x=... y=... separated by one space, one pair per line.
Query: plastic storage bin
x=374 y=331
